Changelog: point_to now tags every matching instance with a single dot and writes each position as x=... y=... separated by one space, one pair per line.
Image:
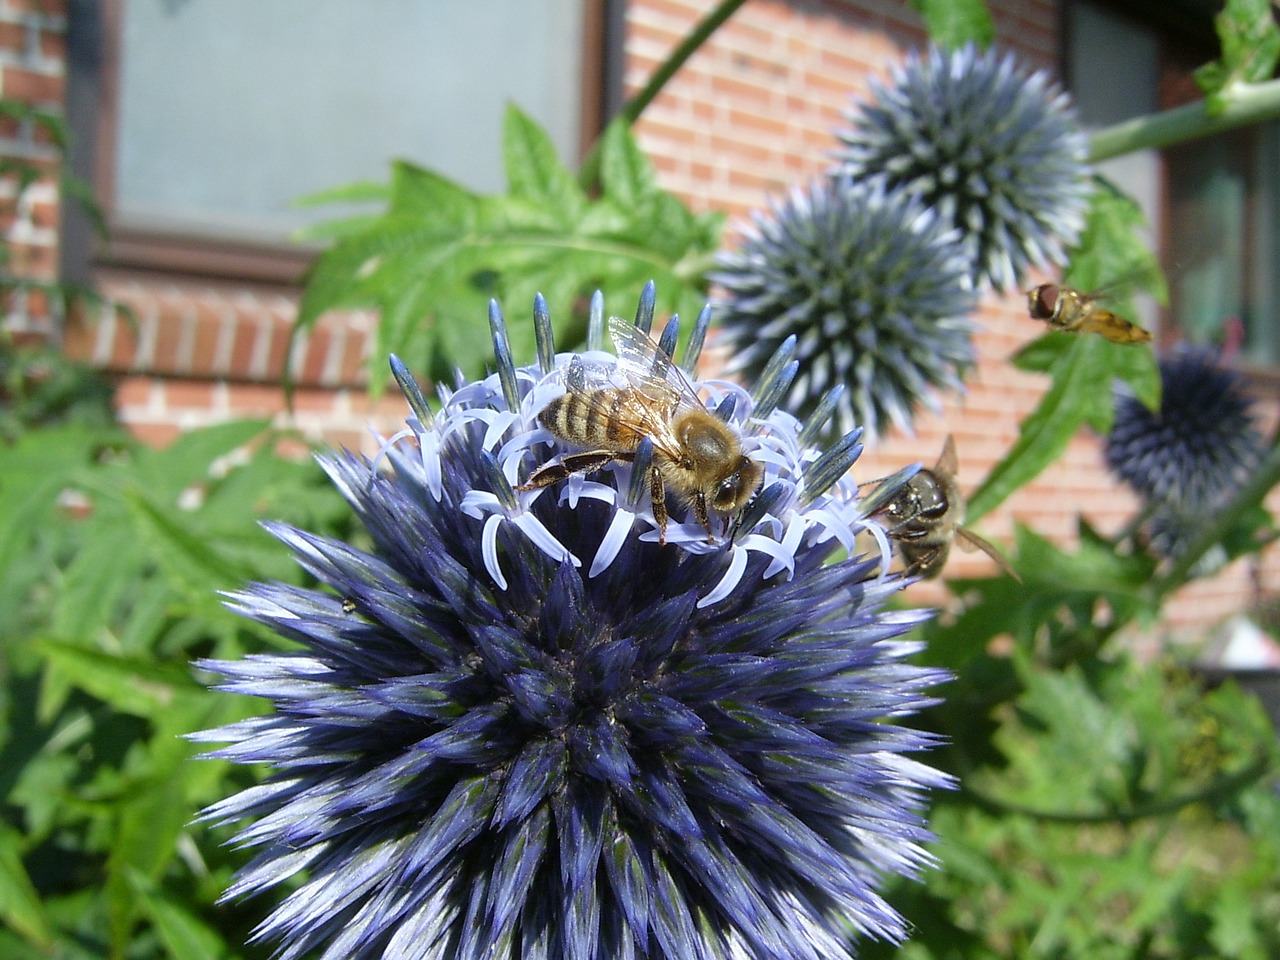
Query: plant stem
x=1225 y=786
x=687 y=47
x=1244 y=103
x=590 y=172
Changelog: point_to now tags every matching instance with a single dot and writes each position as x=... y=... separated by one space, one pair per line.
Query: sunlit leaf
x=20 y=906
x=953 y=23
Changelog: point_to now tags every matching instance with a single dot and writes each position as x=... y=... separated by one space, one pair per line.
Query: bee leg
x=700 y=511
x=551 y=473
x=658 y=494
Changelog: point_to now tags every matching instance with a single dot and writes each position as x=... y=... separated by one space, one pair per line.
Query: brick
x=181 y=394
x=255 y=399
x=53 y=45
x=30 y=86
x=157 y=434
x=13 y=37
x=137 y=392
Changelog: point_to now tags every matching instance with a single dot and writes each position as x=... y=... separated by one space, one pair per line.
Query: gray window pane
x=231 y=109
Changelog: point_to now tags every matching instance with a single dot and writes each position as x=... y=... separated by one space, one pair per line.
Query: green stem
x=631 y=111
x=1251 y=495
x=1243 y=104
x=687 y=47
x=1224 y=787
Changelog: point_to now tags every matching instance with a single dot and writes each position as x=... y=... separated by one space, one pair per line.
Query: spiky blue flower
x=1188 y=458
x=872 y=286
x=518 y=727
x=993 y=147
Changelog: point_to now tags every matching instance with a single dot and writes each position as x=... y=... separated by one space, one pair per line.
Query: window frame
x=93 y=97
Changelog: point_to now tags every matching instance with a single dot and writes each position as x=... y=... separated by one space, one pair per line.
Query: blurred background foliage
x=1109 y=805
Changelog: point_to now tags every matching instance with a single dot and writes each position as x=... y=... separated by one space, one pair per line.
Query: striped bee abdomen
x=594 y=418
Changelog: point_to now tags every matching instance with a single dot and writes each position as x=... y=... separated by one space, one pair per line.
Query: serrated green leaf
x=1112 y=256
x=626 y=175
x=534 y=171
x=1250 y=42
x=186 y=554
x=1080 y=393
x=102 y=572
x=431 y=264
x=953 y=23
x=1052 y=578
x=361 y=191
x=20 y=906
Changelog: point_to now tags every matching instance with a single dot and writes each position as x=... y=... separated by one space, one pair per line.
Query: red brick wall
x=750 y=114
x=32 y=72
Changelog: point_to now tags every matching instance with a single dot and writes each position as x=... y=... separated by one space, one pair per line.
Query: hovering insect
x=1066 y=308
x=695 y=453
x=926 y=516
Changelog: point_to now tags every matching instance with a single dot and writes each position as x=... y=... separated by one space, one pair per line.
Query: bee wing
x=970 y=541
x=647 y=368
x=644 y=409
x=948 y=462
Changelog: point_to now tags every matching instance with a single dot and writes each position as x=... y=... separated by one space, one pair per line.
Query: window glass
x=229 y=110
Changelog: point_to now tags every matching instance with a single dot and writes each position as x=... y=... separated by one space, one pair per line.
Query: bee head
x=732 y=493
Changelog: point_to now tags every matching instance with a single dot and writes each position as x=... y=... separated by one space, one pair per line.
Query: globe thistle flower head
x=993 y=148
x=520 y=727
x=1194 y=452
x=874 y=289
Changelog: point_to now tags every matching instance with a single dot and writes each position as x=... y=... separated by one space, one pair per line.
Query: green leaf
x=432 y=262
x=953 y=23
x=362 y=191
x=1112 y=255
x=1234 y=933
x=185 y=935
x=534 y=171
x=139 y=686
x=20 y=906
x=1250 y=41
x=1080 y=393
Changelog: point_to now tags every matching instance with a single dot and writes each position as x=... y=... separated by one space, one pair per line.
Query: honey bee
x=695 y=453
x=1065 y=308
x=926 y=516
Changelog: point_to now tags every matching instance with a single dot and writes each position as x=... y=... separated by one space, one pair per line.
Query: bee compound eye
x=727 y=491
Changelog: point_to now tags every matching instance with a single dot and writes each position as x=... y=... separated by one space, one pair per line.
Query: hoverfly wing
x=1114 y=328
